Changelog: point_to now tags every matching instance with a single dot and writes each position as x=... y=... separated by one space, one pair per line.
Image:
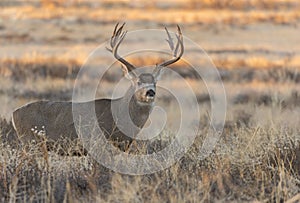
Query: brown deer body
x=54 y=120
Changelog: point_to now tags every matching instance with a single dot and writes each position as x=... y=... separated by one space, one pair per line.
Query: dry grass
x=258 y=62
x=174 y=15
x=257 y=158
x=250 y=68
x=249 y=163
x=215 y=4
x=39 y=66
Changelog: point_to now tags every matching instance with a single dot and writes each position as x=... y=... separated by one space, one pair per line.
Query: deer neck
x=138 y=111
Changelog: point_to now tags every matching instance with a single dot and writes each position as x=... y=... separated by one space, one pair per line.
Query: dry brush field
x=255 y=46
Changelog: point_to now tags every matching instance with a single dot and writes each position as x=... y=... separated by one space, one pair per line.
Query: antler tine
x=115 y=41
x=169 y=40
x=120 y=30
x=175 y=49
x=115 y=29
x=115 y=36
x=179 y=40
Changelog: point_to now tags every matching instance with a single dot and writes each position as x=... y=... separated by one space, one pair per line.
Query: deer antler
x=174 y=48
x=115 y=41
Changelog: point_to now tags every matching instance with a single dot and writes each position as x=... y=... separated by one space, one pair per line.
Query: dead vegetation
x=257 y=158
x=229 y=12
x=259 y=69
x=249 y=163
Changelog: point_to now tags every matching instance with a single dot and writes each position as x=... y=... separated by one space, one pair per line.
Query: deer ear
x=157 y=72
x=127 y=74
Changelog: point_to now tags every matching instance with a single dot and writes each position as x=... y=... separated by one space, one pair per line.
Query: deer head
x=144 y=84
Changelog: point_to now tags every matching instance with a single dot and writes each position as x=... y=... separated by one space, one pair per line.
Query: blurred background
x=253 y=43
x=255 y=46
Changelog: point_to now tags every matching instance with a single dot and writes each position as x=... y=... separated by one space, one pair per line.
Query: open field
x=254 y=46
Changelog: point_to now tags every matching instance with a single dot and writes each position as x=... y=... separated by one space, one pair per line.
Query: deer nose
x=150 y=93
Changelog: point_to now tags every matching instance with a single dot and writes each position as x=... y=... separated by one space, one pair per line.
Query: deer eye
x=139 y=83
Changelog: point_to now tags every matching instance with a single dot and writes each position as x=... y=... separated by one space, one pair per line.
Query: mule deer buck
x=55 y=121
